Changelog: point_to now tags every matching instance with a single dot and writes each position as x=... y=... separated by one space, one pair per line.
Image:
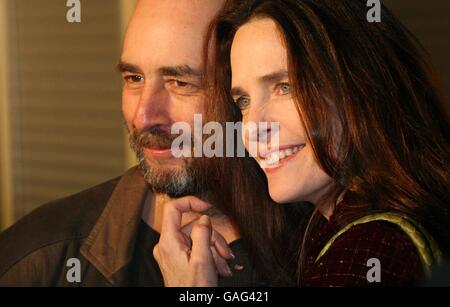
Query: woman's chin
x=282 y=195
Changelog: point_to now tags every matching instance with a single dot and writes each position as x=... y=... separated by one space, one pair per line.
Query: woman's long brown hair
x=375 y=80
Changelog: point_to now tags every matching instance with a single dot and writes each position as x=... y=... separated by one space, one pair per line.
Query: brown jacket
x=97 y=226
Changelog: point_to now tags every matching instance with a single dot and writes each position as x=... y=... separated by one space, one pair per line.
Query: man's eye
x=130 y=79
x=179 y=83
x=182 y=87
x=243 y=102
x=284 y=88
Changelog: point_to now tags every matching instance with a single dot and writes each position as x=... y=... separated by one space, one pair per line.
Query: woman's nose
x=256 y=123
x=258 y=131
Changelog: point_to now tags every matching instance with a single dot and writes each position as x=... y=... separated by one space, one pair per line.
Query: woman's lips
x=274 y=160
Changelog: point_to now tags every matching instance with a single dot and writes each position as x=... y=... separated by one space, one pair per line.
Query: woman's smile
x=274 y=160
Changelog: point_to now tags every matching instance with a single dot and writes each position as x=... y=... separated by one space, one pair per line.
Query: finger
x=201 y=243
x=156 y=254
x=174 y=210
x=221 y=264
x=187 y=240
x=186 y=229
x=217 y=240
x=221 y=245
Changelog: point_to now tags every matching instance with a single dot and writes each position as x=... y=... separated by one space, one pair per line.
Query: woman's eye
x=243 y=102
x=284 y=88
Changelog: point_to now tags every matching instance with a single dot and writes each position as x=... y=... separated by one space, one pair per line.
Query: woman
x=363 y=134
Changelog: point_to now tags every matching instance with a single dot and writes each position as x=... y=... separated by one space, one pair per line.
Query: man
x=105 y=236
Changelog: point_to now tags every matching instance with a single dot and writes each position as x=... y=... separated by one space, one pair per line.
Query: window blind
x=66 y=123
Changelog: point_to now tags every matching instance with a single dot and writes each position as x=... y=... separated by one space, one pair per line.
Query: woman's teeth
x=275 y=157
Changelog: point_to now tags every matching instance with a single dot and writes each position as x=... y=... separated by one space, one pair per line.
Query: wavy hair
x=376 y=80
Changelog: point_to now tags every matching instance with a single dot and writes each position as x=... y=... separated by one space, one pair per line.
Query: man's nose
x=153 y=109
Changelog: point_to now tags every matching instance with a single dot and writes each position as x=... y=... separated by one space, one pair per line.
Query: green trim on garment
x=427 y=248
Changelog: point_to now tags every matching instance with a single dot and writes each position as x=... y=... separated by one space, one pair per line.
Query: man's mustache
x=153 y=139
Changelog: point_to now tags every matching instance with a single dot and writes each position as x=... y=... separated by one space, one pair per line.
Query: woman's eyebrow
x=237 y=91
x=274 y=77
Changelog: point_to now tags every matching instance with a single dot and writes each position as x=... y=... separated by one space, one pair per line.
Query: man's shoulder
x=69 y=218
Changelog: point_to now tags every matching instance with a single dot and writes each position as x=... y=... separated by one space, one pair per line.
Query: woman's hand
x=194 y=255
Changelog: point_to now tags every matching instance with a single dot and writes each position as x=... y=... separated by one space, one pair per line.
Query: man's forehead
x=157 y=49
x=179 y=13
x=169 y=32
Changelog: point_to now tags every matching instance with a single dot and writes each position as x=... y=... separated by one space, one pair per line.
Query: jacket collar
x=110 y=244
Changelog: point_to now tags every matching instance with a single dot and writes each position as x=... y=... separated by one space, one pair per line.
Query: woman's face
x=262 y=90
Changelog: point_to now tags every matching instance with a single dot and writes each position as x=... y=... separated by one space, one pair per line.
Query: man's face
x=162 y=66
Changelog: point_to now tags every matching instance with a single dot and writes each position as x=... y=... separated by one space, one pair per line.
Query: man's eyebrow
x=123 y=66
x=180 y=71
x=274 y=77
x=170 y=71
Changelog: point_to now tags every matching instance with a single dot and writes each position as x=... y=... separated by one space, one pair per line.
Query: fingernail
x=232 y=255
x=204 y=219
x=229 y=273
x=238 y=267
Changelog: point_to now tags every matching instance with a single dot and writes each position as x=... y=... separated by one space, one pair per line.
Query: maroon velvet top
x=345 y=262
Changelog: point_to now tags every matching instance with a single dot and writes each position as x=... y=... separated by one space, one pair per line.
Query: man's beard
x=174 y=181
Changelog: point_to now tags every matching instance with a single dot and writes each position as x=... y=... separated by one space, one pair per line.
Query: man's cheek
x=189 y=107
x=128 y=111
